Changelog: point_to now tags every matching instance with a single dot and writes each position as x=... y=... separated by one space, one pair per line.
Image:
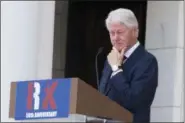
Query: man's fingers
x=115 y=50
x=123 y=51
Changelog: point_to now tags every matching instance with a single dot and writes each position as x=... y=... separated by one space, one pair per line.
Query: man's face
x=120 y=35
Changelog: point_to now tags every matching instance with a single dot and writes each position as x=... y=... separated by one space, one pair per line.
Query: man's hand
x=115 y=58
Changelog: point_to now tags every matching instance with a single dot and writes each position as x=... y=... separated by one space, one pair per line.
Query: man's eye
x=120 y=32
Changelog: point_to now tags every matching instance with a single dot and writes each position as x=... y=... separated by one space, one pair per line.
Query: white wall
x=26 y=44
x=164 y=38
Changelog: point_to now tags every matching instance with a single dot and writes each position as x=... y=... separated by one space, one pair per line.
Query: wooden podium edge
x=12 y=99
x=73 y=95
x=86 y=104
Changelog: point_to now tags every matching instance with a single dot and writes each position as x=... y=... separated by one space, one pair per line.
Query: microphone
x=96 y=65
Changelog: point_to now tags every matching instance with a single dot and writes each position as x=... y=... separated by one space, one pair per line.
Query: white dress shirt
x=127 y=54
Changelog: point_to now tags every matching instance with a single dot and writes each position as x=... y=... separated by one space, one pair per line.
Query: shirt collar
x=132 y=49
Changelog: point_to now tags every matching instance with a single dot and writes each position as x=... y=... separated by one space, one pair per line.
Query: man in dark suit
x=130 y=74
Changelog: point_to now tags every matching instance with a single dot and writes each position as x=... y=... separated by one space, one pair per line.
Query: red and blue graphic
x=42 y=99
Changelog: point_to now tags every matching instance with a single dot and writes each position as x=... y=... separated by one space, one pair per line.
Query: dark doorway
x=87 y=32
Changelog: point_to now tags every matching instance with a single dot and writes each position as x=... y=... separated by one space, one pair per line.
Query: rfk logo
x=33 y=97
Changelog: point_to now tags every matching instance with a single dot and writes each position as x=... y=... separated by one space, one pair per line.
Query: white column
x=165 y=39
x=22 y=34
x=60 y=38
x=46 y=39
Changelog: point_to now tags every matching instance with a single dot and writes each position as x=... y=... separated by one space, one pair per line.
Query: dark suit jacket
x=135 y=87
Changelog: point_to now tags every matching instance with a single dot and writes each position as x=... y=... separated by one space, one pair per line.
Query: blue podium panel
x=42 y=99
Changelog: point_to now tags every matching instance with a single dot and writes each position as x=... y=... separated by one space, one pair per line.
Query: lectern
x=59 y=99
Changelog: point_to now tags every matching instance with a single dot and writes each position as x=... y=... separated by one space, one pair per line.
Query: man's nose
x=115 y=36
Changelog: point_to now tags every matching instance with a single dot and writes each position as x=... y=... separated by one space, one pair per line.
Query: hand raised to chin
x=115 y=58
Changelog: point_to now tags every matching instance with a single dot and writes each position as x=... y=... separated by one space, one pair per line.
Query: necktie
x=124 y=59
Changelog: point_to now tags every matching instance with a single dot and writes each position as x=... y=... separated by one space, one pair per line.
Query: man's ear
x=135 y=32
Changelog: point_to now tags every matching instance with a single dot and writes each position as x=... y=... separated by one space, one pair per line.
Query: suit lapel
x=134 y=57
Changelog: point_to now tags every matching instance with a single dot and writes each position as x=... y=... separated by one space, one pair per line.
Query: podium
x=65 y=99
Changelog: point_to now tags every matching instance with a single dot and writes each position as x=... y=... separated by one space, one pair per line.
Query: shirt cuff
x=115 y=68
x=115 y=72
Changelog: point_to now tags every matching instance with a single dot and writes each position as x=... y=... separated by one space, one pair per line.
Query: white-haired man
x=130 y=74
